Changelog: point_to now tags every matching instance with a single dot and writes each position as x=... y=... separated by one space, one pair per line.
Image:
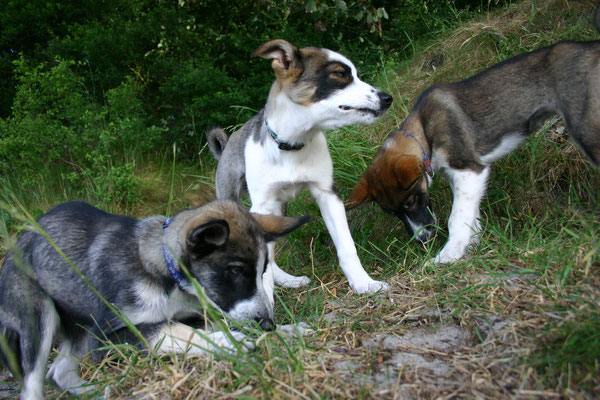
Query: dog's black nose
x=425 y=234
x=266 y=324
x=386 y=99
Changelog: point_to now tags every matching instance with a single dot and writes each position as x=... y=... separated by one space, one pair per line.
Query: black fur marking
x=207 y=237
x=328 y=79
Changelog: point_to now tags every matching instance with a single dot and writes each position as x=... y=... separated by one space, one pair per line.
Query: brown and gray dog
x=134 y=266
x=459 y=129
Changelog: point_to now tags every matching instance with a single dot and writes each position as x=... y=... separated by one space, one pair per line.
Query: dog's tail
x=217 y=140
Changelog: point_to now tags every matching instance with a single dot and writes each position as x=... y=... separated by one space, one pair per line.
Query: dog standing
x=283 y=149
x=133 y=264
x=460 y=129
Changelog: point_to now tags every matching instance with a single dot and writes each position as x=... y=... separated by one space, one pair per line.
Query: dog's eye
x=410 y=202
x=343 y=74
x=236 y=269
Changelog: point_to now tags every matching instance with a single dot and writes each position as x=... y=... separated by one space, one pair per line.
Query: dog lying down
x=134 y=266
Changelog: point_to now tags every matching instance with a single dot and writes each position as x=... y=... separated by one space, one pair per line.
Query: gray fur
x=123 y=259
x=230 y=176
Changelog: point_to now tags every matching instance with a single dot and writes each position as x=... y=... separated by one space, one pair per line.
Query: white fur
x=155 y=305
x=274 y=177
x=468 y=188
x=64 y=370
x=33 y=386
x=178 y=338
x=508 y=144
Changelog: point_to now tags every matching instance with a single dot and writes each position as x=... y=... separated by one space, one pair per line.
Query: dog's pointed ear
x=275 y=226
x=207 y=237
x=360 y=194
x=285 y=55
x=407 y=169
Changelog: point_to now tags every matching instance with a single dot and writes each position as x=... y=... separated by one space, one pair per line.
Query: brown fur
x=295 y=69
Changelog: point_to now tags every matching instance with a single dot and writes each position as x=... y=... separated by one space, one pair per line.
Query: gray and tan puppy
x=459 y=129
x=133 y=265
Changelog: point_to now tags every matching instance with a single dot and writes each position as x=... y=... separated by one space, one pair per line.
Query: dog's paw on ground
x=295 y=330
x=371 y=287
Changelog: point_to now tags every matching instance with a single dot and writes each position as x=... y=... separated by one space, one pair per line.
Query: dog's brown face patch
x=391 y=181
x=397 y=182
x=306 y=75
x=321 y=76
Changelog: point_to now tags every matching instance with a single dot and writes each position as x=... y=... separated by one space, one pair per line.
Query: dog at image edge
x=134 y=265
x=459 y=129
x=283 y=150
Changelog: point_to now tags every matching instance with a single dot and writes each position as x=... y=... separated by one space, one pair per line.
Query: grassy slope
x=526 y=302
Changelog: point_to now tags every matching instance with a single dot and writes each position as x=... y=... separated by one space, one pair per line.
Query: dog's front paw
x=371 y=287
x=293 y=281
x=246 y=343
x=449 y=254
x=296 y=330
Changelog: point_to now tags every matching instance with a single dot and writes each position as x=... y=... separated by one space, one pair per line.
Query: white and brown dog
x=459 y=129
x=282 y=149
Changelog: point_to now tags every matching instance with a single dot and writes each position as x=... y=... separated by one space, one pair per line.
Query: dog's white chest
x=284 y=175
x=153 y=305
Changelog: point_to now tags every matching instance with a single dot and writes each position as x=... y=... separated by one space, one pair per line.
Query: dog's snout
x=386 y=99
x=424 y=235
x=266 y=324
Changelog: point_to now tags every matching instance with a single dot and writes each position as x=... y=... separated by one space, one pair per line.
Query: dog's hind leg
x=40 y=325
x=468 y=188
x=64 y=371
x=587 y=139
x=274 y=274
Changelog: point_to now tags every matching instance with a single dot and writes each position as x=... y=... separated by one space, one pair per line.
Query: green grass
x=536 y=271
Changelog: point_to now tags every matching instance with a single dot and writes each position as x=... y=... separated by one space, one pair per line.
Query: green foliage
x=190 y=59
x=56 y=129
x=571 y=350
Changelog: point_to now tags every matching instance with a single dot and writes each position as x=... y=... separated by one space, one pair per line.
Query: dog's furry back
x=230 y=177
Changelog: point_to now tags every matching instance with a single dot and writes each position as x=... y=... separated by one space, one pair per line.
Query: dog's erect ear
x=407 y=169
x=208 y=236
x=275 y=226
x=285 y=55
x=360 y=194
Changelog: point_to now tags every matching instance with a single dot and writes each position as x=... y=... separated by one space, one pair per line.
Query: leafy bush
x=56 y=128
x=189 y=60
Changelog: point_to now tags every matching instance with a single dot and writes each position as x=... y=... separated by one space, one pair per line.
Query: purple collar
x=425 y=158
x=175 y=274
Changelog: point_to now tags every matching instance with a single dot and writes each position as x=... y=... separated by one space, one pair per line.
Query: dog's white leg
x=463 y=225
x=64 y=371
x=178 y=338
x=281 y=277
x=274 y=274
x=334 y=214
x=33 y=386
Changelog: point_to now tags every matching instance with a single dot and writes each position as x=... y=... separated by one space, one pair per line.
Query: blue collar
x=175 y=274
x=286 y=146
x=425 y=158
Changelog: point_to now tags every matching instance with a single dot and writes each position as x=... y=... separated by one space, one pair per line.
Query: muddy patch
x=422 y=348
x=394 y=362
